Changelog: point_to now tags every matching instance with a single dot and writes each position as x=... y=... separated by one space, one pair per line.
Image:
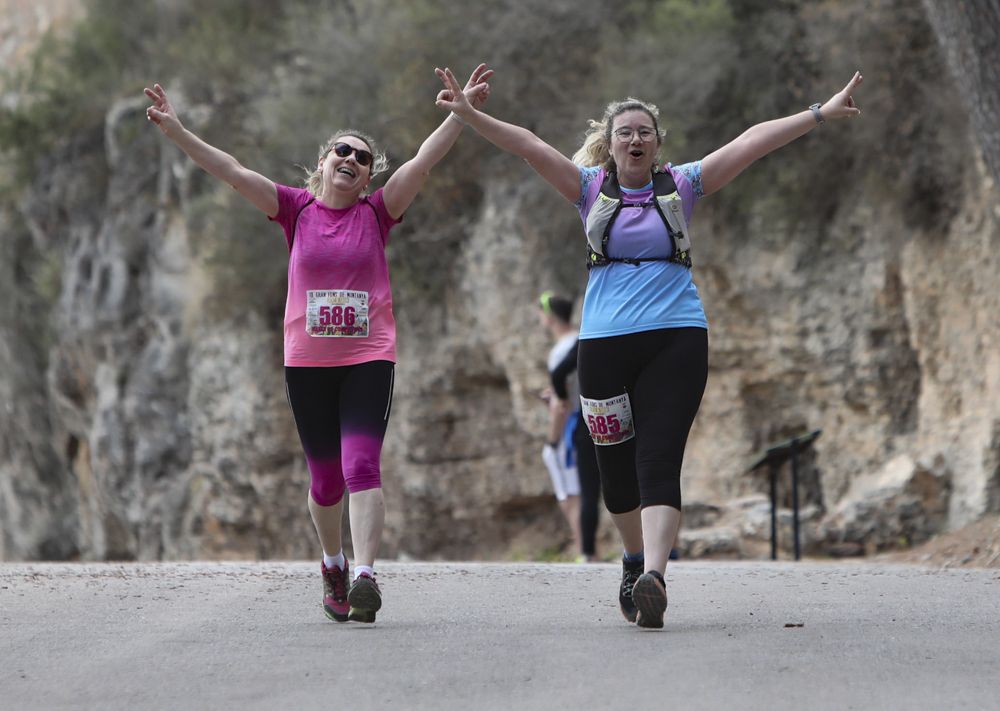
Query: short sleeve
x=290 y=202
x=386 y=221
x=561 y=372
x=692 y=171
x=587 y=175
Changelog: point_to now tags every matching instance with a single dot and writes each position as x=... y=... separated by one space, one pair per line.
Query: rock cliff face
x=853 y=289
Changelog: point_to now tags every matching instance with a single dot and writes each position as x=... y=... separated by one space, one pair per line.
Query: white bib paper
x=609 y=421
x=337 y=313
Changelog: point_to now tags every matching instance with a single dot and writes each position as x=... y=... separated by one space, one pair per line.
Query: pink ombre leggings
x=341 y=414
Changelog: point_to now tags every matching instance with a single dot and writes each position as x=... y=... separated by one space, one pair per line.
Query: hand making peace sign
x=161 y=112
x=476 y=90
x=455 y=100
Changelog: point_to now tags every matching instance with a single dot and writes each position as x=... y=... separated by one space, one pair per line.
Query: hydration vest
x=608 y=204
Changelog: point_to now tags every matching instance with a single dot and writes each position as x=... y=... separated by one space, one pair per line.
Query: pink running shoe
x=335 y=592
x=364 y=599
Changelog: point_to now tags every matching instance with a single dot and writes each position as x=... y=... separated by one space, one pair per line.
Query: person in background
x=569 y=452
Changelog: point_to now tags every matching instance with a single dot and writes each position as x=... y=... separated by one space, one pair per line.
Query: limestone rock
x=903 y=504
x=714 y=542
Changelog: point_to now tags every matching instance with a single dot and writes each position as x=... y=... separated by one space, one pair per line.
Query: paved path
x=512 y=637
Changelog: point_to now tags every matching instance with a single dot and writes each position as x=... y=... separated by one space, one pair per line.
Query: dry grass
x=975 y=546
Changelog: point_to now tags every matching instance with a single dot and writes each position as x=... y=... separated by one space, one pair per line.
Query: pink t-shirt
x=339 y=306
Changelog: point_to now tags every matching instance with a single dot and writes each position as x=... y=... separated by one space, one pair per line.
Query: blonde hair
x=379 y=164
x=595 y=150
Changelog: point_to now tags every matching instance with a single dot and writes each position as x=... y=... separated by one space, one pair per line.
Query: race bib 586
x=337 y=313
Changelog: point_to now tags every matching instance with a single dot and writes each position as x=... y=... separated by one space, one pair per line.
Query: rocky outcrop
x=904 y=503
x=850 y=284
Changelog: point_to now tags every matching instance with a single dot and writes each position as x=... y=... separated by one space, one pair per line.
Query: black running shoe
x=630 y=573
x=364 y=599
x=650 y=597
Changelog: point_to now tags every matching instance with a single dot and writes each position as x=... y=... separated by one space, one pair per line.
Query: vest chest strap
x=668 y=205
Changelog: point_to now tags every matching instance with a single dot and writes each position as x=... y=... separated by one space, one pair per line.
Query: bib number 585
x=604 y=424
x=609 y=421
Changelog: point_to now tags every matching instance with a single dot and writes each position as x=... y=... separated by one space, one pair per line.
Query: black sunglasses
x=344 y=149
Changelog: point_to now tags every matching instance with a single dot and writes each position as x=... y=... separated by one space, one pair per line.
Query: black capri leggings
x=664 y=374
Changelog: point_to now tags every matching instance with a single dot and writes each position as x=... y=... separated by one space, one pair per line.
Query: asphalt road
x=492 y=636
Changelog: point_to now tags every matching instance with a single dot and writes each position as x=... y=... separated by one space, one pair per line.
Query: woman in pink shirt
x=340 y=336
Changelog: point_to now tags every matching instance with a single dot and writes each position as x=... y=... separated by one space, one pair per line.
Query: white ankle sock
x=359 y=569
x=334 y=560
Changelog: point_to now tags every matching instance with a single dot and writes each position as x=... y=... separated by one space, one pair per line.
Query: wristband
x=817 y=114
x=458 y=118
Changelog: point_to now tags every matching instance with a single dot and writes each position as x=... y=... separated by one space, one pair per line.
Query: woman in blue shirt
x=643 y=353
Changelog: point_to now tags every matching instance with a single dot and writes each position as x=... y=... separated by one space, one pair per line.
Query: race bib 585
x=609 y=421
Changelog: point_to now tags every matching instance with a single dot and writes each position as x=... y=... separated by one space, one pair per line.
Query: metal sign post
x=774 y=456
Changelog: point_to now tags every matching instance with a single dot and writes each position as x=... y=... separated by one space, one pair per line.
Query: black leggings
x=664 y=373
x=590 y=487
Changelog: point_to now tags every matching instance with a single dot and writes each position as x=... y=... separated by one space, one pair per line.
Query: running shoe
x=630 y=573
x=335 y=592
x=650 y=597
x=364 y=599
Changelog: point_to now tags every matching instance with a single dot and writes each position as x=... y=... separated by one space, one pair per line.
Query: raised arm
x=253 y=186
x=408 y=180
x=721 y=166
x=553 y=166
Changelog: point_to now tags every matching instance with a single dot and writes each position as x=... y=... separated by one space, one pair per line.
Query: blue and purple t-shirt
x=624 y=298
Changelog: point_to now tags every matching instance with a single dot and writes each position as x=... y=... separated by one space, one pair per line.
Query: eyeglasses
x=345 y=149
x=624 y=134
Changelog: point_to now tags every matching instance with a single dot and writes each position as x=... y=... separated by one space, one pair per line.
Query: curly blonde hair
x=379 y=164
x=596 y=150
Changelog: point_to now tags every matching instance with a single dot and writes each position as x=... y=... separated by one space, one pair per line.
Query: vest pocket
x=673 y=210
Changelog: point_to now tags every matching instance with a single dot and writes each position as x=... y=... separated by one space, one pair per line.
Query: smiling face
x=634 y=144
x=343 y=174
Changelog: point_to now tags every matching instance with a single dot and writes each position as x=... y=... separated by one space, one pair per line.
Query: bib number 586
x=337 y=315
